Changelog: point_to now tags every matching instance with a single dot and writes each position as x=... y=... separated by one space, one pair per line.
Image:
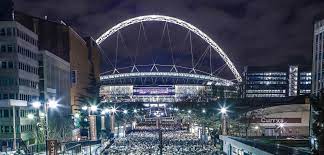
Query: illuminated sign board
x=276 y=120
x=158 y=90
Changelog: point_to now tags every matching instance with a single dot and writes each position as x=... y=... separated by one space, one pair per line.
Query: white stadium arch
x=179 y=22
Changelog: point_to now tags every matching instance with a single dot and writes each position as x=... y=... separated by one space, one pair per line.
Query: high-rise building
x=318 y=42
x=19 y=82
x=276 y=81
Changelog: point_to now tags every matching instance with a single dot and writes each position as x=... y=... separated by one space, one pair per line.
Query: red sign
x=52 y=146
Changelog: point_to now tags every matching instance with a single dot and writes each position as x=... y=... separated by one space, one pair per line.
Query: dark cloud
x=251 y=32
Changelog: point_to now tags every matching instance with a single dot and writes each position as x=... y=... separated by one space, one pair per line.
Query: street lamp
x=52 y=104
x=36 y=104
x=281 y=125
x=125 y=111
x=203 y=111
x=84 y=108
x=256 y=127
x=135 y=110
x=223 y=110
x=93 y=108
x=189 y=111
x=113 y=110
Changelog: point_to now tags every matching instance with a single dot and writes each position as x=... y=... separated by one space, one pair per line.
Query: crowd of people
x=147 y=142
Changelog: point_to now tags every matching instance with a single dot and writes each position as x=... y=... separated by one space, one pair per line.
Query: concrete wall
x=233 y=147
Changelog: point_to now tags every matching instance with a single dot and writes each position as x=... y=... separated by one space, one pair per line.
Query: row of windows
x=266 y=91
x=5 y=113
x=266 y=78
x=269 y=73
x=28 y=83
x=305 y=82
x=266 y=82
x=304 y=91
x=22 y=66
x=6 y=129
x=27 y=68
x=7 y=48
x=5 y=81
x=305 y=78
x=27 y=53
x=23 y=51
x=306 y=73
x=16 y=32
x=9 y=129
x=25 y=128
x=265 y=95
x=17 y=96
x=7 y=64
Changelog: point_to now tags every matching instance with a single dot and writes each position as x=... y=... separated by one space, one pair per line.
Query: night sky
x=251 y=32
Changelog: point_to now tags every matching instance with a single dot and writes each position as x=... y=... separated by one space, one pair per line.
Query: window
x=6 y=129
x=9 y=32
x=5 y=96
x=4 y=64
x=2 y=32
x=5 y=113
x=10 y=48
x=3 y=48
x=10 y=65
x=74 y=76
x=12 y=96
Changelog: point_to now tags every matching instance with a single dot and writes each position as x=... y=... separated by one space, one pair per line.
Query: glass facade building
x=276 y=81
x=318 y=57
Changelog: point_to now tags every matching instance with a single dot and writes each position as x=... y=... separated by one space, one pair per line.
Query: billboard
x=156 y=90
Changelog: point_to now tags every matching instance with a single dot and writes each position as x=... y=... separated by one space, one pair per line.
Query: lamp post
x=223 y=112
x=89 y=109
x=51 y=104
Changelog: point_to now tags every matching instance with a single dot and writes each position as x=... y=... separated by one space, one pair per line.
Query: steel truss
x=162 y=71
x=179 y=22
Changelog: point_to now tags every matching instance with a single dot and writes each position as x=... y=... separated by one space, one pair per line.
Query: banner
x=52 y=147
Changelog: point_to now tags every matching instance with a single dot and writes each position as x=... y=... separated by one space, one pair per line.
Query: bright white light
x=135 y=111
x=203 y=111
x=41 y=114
x=176 y=109
x=93 y=108
x=113 y=110
x=176 y=21
x=36 y=104
x=125 y=111
x=189 y=111
x=223 y=110
x=76 y=115
x=30 y=116
x=256 y=127
x=281 y=125
x=105 y=111
x=52 y=104
x=84 y=108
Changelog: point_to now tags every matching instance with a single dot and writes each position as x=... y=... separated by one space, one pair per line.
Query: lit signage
x=276 y=120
